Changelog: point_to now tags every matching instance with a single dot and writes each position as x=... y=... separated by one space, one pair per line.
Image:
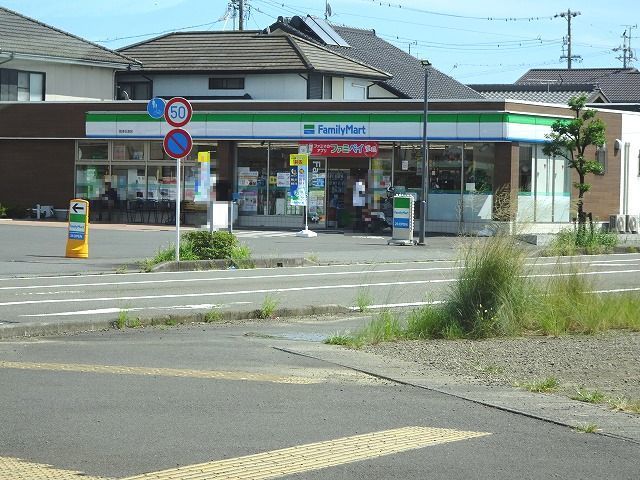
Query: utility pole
x=627 y=54
x=240 y=14
x=568 y=15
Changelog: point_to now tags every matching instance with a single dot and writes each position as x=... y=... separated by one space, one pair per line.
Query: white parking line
x=99 y=311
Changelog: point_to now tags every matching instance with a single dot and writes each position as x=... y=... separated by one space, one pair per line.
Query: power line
x=404 y=22
x=467 y=17
x=108 y=40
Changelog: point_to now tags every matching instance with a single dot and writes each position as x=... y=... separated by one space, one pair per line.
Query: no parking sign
x=177 y=143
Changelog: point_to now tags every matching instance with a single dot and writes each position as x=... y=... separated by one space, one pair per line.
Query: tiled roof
x=241 y=51
x=22 y=35
x=544 y=93
x=618 y=84
x=407 y=71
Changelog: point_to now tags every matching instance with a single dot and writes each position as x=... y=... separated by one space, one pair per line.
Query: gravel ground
x=607 y=362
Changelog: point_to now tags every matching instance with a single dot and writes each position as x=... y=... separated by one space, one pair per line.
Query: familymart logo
x=335 y=130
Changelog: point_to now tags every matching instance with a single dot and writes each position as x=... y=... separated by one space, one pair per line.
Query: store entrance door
x=347 y=194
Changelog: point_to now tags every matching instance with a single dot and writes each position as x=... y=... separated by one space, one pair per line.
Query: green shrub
x=3 y=211
x=203 y=245
x=590 y=241
x=211 y=245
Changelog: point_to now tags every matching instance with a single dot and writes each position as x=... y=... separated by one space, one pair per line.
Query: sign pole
x=178 y=196
x=306 y=207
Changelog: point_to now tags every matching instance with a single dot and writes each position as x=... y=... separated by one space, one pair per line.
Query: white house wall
x=68 y=82
x=631 y=134
x=376 y=91
x=288 y=86
x=355 y=88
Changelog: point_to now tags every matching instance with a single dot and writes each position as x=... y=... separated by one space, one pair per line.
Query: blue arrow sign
x=155 y=107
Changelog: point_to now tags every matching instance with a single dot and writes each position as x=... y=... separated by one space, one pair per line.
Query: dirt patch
x=607 y=362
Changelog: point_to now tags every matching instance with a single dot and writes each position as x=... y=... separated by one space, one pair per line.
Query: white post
x=178 y=196
x=306 y=194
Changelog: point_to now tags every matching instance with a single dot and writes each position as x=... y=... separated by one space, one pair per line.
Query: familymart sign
x=397 y=126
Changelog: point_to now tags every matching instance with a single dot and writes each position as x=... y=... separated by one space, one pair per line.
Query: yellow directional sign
x=78 y=237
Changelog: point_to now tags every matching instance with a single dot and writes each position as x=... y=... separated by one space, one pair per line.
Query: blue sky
x=473 y=41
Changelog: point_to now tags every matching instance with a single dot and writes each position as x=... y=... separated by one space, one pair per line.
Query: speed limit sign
x=178 y=112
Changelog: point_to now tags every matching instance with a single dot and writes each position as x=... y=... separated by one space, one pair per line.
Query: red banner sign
x=342 y=149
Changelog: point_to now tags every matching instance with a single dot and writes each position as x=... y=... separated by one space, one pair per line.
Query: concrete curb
x=191 y=265
x=548 y=408
x=33 y=329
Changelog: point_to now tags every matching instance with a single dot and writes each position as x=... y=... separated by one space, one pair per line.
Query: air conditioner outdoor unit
x=617 y=223
x=632 y=223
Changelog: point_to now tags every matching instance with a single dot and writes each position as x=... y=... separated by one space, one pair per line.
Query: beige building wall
x=69 y=82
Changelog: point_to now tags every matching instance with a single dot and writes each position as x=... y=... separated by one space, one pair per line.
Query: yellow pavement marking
x=162 y=372
x=314 y=456
x=17 y=469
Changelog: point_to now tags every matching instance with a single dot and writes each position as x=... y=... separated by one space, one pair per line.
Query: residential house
x=39 y=62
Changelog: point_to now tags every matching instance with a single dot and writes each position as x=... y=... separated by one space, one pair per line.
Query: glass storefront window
x=279 y=180
x=380 y=177
x=479 y=159
x=252 y=179
x=128 y=150
x=162 y=182
x=91 y=181
x=477 y=202
x=93 y=151
x=445 y=163
x=130 y=181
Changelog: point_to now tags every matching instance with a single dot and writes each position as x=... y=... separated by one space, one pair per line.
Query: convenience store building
x=477 y=149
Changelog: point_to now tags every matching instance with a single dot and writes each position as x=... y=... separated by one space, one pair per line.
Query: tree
x=570 y=139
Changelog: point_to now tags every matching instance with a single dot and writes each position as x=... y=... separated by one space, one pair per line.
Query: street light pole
x=425 y=156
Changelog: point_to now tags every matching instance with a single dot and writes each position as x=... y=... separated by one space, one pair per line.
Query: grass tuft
x=589 y=396
x=624 y=404
x=269 y=307
x=212 y=316
x=363 y=299
x=586 y=428
x=549 y=384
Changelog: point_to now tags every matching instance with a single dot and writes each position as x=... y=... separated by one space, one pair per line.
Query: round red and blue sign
x=177 y=143
x=177 y=112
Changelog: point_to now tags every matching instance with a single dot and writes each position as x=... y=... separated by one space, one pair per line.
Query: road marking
x=18 y=469
x=227 y=278
x=273 y=464
x=284 y=290
x=160 y=372
x=315 y=456
x=535 y=261
x=234 y=292
x=99 y=311
x=396 y=305
x=235 y=276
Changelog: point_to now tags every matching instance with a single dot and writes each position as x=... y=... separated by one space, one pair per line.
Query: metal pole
x=306 y=193
x=178 y=195
x=425 y=153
